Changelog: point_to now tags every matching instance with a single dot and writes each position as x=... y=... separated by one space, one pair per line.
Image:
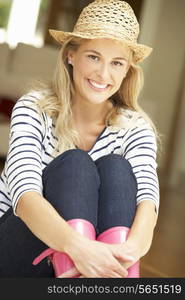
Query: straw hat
x=113 y=19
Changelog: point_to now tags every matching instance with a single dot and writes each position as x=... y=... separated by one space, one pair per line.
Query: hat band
x=104 y=31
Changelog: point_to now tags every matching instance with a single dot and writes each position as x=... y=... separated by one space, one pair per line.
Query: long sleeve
x=140 y=149
x=24 y=159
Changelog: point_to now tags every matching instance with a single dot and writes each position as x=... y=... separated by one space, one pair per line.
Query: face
x=99 y=67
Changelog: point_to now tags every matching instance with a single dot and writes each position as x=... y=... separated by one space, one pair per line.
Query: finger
x=122 y=256
x=125 y=257
x=120 y=270
x=73 y=272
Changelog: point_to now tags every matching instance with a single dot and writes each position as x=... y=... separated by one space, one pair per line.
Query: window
x=5 y=6
x=23 y=21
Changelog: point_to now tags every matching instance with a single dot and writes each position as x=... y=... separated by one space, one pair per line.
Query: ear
x=69 y=61
x=70 y=57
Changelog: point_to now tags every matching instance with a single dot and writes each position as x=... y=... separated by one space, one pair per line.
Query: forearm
x=44 y=221
x=141 y=233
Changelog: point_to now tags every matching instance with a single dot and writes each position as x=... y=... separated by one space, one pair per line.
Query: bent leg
x=71 y=184
x=117 y=204
x=117 y=196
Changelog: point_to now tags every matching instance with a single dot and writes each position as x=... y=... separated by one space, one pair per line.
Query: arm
x=91 y=258
x=141 y=232
x=44 y=221
x=141 y=152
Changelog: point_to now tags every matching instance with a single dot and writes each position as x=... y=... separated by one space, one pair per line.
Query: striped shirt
x=32 y=142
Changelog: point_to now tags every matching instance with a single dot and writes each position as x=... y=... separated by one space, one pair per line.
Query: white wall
x=177 y=175
x=162 y=27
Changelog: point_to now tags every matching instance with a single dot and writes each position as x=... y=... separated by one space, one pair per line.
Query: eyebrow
x=98 y=53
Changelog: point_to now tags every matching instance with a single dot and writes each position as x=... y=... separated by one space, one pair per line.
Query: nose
x=103 y=73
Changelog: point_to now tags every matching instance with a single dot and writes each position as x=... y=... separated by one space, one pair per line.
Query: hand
x=94 y=259
x=131 y=249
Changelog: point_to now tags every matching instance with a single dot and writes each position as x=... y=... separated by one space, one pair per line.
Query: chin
x=97 y=101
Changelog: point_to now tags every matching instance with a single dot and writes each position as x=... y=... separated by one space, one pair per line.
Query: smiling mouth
x=97 y=86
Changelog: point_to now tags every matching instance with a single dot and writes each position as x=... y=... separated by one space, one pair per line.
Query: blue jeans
x=102 y=192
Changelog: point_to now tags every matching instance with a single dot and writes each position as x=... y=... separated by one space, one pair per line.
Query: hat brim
x=140 y=51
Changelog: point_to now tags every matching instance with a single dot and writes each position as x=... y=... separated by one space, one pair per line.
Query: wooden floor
x=166 y=257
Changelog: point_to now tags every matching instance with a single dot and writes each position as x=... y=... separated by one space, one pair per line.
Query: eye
x=93 y=57
x=117 y=63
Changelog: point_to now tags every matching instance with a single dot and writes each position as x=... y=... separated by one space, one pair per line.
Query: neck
x=90 y=113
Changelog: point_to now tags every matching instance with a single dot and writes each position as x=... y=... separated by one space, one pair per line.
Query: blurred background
x=28 y=52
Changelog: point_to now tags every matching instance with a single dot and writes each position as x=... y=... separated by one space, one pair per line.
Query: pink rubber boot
x=61 y=261
x=118 y=235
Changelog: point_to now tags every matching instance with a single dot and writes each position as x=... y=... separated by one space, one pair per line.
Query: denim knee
x=71 y=183
x=115 y=166
x=72 y=157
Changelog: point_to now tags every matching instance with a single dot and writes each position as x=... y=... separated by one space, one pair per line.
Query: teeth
x=97 y=85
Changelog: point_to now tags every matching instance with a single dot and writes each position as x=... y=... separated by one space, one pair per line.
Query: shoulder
x=140 y=132
x=32 y=97
x=27 y=115
x=135 y=128
x=131 y=119
x=136 y=119
x=28 y=104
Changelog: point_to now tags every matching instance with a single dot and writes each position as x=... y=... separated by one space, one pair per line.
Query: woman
x=79 y=185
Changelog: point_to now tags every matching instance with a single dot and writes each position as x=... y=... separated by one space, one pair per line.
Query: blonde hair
x=57 y=102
